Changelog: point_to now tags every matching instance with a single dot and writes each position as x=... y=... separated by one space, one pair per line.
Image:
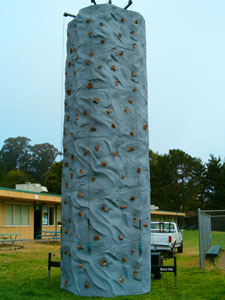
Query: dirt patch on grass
x=221 y=262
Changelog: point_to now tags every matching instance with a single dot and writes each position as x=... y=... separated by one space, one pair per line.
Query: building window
x=17 y=214
x=48 y=215
x=58 y=214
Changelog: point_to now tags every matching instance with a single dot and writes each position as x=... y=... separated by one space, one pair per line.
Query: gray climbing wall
x=105 y=189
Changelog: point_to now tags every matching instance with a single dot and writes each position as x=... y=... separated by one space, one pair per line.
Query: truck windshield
x=162 y=227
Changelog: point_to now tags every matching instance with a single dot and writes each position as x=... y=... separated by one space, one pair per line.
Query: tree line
x=179 y=182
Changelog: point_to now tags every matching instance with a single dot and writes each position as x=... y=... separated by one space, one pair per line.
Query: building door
x=37 y=221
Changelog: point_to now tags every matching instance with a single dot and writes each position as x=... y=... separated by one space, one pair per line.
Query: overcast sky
x=186 y=71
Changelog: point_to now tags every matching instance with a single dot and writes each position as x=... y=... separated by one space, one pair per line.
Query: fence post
x=200 y=238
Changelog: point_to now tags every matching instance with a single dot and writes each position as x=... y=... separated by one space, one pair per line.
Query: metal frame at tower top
x=130 y=2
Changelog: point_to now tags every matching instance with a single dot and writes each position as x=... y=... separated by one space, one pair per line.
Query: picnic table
x=49 y=235
x=11 y=239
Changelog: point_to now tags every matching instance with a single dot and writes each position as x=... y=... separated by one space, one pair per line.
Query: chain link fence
x=208 y=221
x=205 y=234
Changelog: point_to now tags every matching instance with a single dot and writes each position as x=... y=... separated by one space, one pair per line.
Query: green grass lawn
x=23 y=275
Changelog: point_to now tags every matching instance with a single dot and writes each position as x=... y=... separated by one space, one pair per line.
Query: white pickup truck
x=165 y=236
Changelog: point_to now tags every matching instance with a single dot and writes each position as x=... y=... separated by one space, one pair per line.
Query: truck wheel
x=158 y=274
x=180 y=249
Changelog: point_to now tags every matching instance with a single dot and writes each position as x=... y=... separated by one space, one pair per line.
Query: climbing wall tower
x=105 y=188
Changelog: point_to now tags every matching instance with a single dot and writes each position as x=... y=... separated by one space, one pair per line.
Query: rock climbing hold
x=113 y=125
x=120 y=237
x=134 y=45
x=132 y=32
x=124 y=259
x=126 y=110
x=121 y=53
x=93 y=128
x=97 y=147
x=109 y=112
x=80 y=214
x=104 y=208
x=123 y=206
x=101 y=24
x=81 y=171
x=122 y=280
x=96 y=100
x=93 y=179
x=85 y=113
x=113 y=68
x=90 y=34
x=145 y=225
x=139 y=170
x=80 y=247
x=145 y=126
x=131 y=133
x=88 y=62
x=96 y=238
x=80 y=195
x=68 y=92
x=72 y=157
x=85 y=152
x=115 y=154
x=88 y=20
x=89 y=85
x=104 y=163
x=122 y=20
x=103 y=262
x=80 y=266
x=65 y=282
x=132 y=198
x=71 y=175
x=130 y=149
x=130 y=101
x=92 y=53
x=135 y=219
x=117 y=82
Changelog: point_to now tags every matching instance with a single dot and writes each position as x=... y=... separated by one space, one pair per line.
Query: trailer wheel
x=158 y=274
x=180 y=249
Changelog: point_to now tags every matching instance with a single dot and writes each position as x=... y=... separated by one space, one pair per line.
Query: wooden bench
x=213 y=252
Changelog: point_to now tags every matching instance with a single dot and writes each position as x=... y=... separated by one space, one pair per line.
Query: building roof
x=7 y=193
x=167 y=213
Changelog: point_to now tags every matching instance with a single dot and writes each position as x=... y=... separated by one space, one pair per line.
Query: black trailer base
x=156 y=262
